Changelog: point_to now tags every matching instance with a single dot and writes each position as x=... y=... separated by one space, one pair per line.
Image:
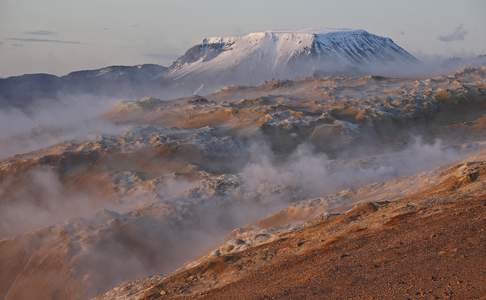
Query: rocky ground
x=80 y=217
x=420 y=237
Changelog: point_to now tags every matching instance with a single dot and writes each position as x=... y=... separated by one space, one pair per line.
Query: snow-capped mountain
x=270 y=54
x=220 y=61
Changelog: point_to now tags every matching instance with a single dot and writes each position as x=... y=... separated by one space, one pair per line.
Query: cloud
x=458 y=34
x=40 y=32
x=36 y=40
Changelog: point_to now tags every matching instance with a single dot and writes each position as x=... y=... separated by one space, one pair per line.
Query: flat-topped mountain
x=219 y=61
x=274 y=54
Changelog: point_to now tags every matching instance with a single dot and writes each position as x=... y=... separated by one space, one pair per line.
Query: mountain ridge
x=217 y=62
x=280 y=53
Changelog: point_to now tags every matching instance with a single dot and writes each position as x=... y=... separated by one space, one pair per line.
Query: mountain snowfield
x=276 y=54
x=221 y=61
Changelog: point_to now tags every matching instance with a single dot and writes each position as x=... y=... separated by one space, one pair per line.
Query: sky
x=59 y=36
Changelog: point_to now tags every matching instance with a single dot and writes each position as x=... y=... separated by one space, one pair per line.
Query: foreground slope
x=425 y=238
x=79 y=217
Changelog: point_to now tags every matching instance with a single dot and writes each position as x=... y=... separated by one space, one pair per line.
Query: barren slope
x=427 y=243
x=78 y=218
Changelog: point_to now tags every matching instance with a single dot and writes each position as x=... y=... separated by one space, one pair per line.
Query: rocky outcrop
x=179 y=176
x=411 y=244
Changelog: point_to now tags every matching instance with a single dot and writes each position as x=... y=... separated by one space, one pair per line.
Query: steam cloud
x=265 y=184
x=157 y=234
x=73 y=117
x=139 y=243
x=44 y=202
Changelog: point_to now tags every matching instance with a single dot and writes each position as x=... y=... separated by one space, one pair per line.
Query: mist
x=203 y=218
x=267 y=182
x=45 y=123
x=151 y=231
x=172 y=220
x=44 y=202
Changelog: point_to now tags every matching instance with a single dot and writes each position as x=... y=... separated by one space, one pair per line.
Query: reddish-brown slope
x=413 y=256
x=428 y=244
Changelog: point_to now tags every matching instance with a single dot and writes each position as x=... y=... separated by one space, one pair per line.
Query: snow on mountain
x=273 y=54
x=220 y=61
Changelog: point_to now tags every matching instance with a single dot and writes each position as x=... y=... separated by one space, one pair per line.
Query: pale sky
x=59 y=36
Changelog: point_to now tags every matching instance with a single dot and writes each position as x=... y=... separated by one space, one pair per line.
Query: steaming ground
x=180 y=219
x=417 y=237
x=164 y=182
x=53 y=121
x=265 y=179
